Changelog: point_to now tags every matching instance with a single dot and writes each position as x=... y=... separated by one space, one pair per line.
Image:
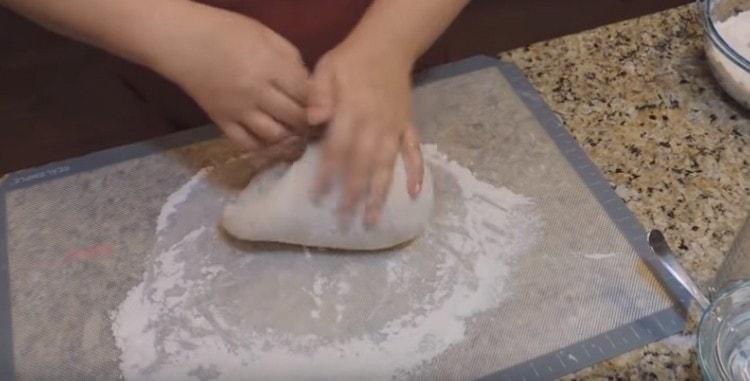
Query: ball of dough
x=276 y=207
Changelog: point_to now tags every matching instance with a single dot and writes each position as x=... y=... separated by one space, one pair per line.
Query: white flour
x=211 y=309
x=736 y=32
x=598 y=256
x=176 y=198
x=680 y=341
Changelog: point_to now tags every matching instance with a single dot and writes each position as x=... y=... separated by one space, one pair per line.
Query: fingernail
x=345 y=220
x=372 y=219
x=293 y=139
x=416 y=189
x=318 y=196
x=314 y=196
x=319 y=190
x=316 y=115
x=369 y=219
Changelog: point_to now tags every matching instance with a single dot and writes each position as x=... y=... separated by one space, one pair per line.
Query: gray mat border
x=7 y=371
x=594 y=350
x=549 y=366
x=28 y=177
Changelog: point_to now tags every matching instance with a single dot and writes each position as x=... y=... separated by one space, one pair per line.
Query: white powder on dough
x=209 y=310
x=735 y=31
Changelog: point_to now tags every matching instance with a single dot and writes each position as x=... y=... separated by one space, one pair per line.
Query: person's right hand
x=249 y=80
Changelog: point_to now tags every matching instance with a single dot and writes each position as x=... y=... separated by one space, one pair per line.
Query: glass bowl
x=731 y=69
x=724 y=336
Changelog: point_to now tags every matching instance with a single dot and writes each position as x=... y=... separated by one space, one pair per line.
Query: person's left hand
x=365 y=97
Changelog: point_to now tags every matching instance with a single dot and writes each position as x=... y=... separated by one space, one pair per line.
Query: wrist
x=182 y=36
x=174 y=28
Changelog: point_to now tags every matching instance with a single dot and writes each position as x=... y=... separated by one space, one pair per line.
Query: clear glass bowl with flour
x=727 y=25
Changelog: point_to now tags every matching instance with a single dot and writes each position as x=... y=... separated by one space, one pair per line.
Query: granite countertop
x=639 y=97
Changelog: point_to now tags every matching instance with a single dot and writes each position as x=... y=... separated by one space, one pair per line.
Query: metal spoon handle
x=669 y=261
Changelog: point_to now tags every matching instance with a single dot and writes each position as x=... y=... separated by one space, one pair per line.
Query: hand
x=249 y=80
x=366 y=100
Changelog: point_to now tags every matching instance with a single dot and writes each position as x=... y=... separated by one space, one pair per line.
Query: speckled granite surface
x=639 y=97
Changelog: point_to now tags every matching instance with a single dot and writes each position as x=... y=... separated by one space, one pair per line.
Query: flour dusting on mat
x=211 y=309
x=598 y=256
x=178 y=197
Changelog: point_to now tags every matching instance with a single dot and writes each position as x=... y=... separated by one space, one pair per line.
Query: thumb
x=413 y=161
x=321 y=97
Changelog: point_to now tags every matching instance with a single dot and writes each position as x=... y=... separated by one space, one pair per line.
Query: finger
x=335 y=148
x=294 y=74
x=238 y=134
x=315 y=132
x=381 y=182
x=413 y=160
x=321 y=99
x=294 y=83
x=284 y=109
x=358 y=173
x=265 y=127
x=288 y=150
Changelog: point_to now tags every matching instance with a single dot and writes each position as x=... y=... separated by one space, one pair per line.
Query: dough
x=276 y=207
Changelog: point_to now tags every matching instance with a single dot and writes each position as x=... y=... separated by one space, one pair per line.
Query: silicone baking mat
x=113 y=264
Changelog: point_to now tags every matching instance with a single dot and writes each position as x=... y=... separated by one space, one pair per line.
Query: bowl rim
x=710 y=309
x=719 y=41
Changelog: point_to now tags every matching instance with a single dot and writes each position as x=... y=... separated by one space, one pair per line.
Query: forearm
x=133 y=29
x=404 y=27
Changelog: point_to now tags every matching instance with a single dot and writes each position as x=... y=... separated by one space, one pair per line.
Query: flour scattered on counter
x=680 y=341
x=600 y=255
x=281 y=313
